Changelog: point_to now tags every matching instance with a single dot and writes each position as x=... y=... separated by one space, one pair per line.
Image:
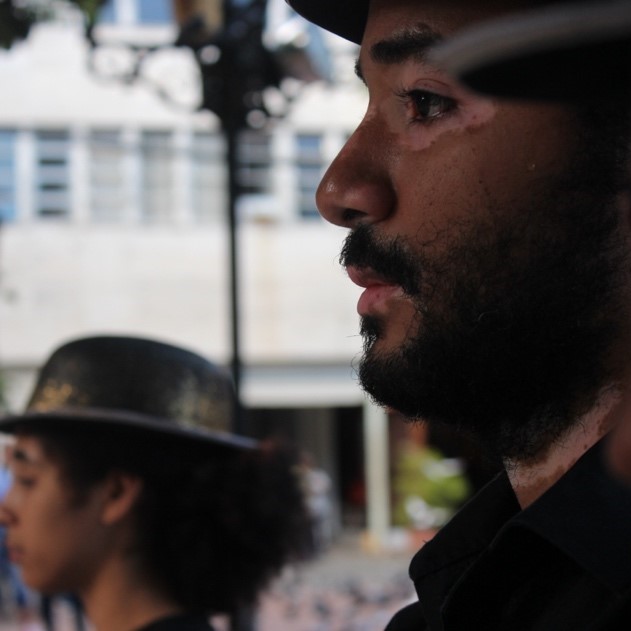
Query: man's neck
x=532 y=479
x=119 y=600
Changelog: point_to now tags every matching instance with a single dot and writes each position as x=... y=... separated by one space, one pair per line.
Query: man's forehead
x=398 y=31
x=407 y=43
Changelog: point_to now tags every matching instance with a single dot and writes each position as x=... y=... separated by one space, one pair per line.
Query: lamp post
x=235 y=68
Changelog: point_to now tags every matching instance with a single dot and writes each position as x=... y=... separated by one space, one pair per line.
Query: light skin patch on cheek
x=469 y=111
x=479 y=113
x=470 y=117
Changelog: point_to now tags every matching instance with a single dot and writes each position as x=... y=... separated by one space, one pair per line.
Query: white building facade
x=113 y=222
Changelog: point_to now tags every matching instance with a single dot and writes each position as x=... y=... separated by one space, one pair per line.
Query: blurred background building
x=112 y=200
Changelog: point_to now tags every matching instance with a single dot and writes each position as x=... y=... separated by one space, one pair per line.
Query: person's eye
x=426 y=106
x=24 y=481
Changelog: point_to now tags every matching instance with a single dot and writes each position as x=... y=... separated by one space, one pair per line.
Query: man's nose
x=356 y=187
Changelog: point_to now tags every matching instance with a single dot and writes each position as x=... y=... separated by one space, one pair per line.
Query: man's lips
x=377 y=290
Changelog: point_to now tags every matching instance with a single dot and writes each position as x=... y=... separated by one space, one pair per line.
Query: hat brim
x=569 y=52
x=104 y=420
x=346 y=19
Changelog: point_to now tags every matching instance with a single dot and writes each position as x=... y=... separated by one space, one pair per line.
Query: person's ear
x=121 y=493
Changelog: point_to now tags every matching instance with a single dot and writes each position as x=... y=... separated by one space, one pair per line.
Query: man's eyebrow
x=412 y=43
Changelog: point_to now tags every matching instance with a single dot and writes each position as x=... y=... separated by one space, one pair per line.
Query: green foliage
x=424 y=478
x=15 y=23
x=17 y=16
x=90 y=9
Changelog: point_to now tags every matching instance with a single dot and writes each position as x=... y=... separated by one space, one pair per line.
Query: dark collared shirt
x=180 y=622
x=557 y=565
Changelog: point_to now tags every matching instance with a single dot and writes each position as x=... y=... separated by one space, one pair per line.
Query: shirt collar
x=587 y=516
x=440 y=562
x=470 y=531
x=585 y=505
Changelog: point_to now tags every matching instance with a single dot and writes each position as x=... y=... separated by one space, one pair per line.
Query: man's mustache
x=389 y=258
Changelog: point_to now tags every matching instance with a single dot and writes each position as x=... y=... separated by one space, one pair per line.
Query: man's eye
x=427 y=106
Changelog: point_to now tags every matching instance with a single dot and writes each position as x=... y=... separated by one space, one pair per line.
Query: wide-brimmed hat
x=575 y=51
x=134 y=385
x=558 y=51
x=346 y=19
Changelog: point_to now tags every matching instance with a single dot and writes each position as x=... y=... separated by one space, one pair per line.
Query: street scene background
x=347 y=588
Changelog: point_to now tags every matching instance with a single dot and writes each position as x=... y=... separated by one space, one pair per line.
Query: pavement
x=353 y=586
x=349 y=588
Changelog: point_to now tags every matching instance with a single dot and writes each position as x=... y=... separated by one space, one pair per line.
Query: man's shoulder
x=410 y=618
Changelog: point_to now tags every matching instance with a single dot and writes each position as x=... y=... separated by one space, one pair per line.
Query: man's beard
x=516 y=319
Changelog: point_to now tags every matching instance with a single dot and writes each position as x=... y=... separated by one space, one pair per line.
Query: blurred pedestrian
x=130 y=492
x=316 y=484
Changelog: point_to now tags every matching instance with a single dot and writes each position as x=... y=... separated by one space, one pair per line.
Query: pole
x=244 y=618
x=231 y=108
x=232 y=138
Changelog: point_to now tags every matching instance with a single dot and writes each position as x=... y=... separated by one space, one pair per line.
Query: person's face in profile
x=468 y=217
x=56 y=540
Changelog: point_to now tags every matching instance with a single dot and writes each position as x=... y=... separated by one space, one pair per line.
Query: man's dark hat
x=578 y=51
x=133 y=385
x=563 y=50
x=346 y=19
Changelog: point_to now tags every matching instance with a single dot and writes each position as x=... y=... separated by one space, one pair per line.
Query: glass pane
x=254 y=159
x=7 y=175
x=208 y=178
x=106 y=13
x=52 y=173
x=107 y=181
x=155 y=11
x=310 y=167
x=157 y=176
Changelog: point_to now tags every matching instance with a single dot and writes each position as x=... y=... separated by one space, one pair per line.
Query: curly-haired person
x=128 y=492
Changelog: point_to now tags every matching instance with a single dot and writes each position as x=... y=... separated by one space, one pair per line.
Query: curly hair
x=214 y=524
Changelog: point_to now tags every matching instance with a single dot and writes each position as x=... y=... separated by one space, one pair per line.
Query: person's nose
x=7 y=515
x=356 y=187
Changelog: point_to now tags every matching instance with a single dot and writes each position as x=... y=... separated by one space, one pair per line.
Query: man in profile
x=492 y=240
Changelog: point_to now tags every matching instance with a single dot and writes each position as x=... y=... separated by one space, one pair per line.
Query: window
x=106 y=176
x=7 y=175
x=52 y=174
x=155 y=12
x=107 y=14
x=253 y=162
x=157 y=176
x=208 y=177
x=309 y=166
x=136 y=12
